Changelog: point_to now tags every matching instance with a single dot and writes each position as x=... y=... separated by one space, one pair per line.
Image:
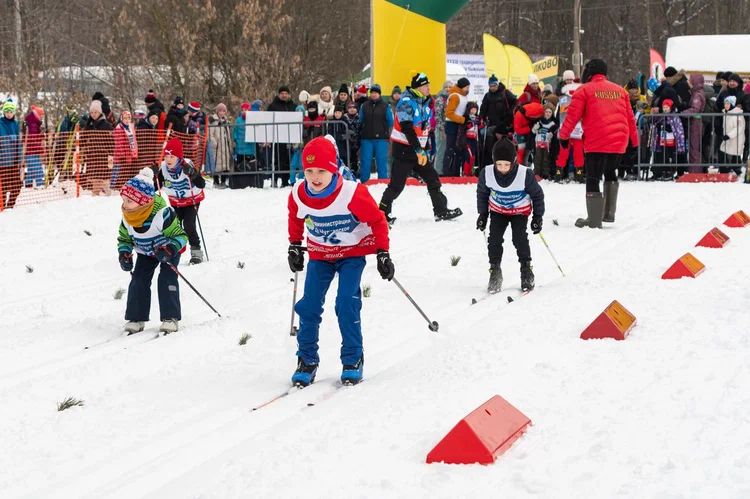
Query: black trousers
x=403 y=165
x=139 y=291
x=598 y=164
x=453 y=158
x=498 y=224
x=187 y=215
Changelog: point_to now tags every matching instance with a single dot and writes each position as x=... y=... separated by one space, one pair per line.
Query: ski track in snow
x=662 y=414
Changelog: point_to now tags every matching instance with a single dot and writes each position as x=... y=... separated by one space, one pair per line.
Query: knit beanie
x=245 y=106
x=319 y=153
x=221 y=107
x=9 y=107
x=194 y=106
x=140 y=188
x=533 y=79
x=150 y=96
x=304 y=96
x=669 y=71
x=178 y=100
x=493 y=80
x=396 y=90
x=419 y=79
x=344 y=89
x=504 y=150
x=668 y=103
x=731 y=99
x=568 y=74
x=463 y=83
x=375 y=88
x=173 y=147
x=96 y=105
x=284 y=88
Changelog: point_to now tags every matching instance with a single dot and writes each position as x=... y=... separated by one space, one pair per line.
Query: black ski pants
x=139 y=291
x=187 y=215
x=498 y=224
x=403 y=165
x=598 y=164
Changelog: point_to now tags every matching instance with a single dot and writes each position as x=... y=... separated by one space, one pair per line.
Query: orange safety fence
x=42 y=167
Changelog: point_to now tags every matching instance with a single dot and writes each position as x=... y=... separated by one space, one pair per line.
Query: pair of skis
x=298 y=388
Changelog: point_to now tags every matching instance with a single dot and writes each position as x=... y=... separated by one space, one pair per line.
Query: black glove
x=482 y=221
x=296 y=257
x=385 y=265
x=164 y=253
x=126 y=261
x=725 y=137
x=190 y=170
x=564 y=143
x=536 y=225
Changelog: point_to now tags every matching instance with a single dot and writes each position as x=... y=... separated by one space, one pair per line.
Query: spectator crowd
x=684 y=125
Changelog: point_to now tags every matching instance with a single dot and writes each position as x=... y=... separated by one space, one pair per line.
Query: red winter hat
x=668 y=102
x=173 y=147
x=194 y=106
x=319 y=153
x=245 y=106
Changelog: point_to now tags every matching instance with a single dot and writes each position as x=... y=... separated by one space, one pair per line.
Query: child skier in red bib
x=343 y=225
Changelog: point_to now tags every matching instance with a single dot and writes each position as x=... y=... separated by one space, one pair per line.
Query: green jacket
x=162 y=227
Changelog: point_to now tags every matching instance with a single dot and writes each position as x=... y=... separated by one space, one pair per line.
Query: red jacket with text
x=604 y=110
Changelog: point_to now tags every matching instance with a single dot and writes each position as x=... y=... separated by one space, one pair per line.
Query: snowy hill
x=662 y=414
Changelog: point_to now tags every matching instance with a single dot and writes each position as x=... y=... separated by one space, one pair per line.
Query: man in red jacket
x=608 y=125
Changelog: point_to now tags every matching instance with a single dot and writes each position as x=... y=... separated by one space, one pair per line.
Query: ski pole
x=198 y=218
x=200 y=228
x=433 y=325
x=551 y=254
x=292 y=327
x=171 y=266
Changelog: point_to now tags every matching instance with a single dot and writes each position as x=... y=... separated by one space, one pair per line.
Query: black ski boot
x=305 y=374
x=527 y=277
x=496 y=279
x=580 y=177
x=558 y=175
x=449 y=214
x=387 y=212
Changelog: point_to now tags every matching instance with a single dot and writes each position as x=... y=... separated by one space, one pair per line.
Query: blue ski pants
x=139 y=291
x=368 y=148
x=348 y=306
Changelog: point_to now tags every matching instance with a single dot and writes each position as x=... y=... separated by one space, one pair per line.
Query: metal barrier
x=272 y=160
x=677 y=143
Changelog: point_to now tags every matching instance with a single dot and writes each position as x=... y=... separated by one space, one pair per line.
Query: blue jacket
x=414 y=109
x=241 y=148
x=10 y=145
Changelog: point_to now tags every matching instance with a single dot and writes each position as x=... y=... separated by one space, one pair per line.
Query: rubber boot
x=610 y=200
x=595 y=210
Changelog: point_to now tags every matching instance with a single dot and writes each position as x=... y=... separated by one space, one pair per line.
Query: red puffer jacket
x=525 y=116
x=604 y=110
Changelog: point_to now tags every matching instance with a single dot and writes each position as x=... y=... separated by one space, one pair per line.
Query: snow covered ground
x=663 y=414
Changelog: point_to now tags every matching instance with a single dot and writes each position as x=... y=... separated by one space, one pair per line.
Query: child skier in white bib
x=507 y=194
x=343 y=225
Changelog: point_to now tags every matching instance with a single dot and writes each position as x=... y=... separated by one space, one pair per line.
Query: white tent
x=709 y=54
